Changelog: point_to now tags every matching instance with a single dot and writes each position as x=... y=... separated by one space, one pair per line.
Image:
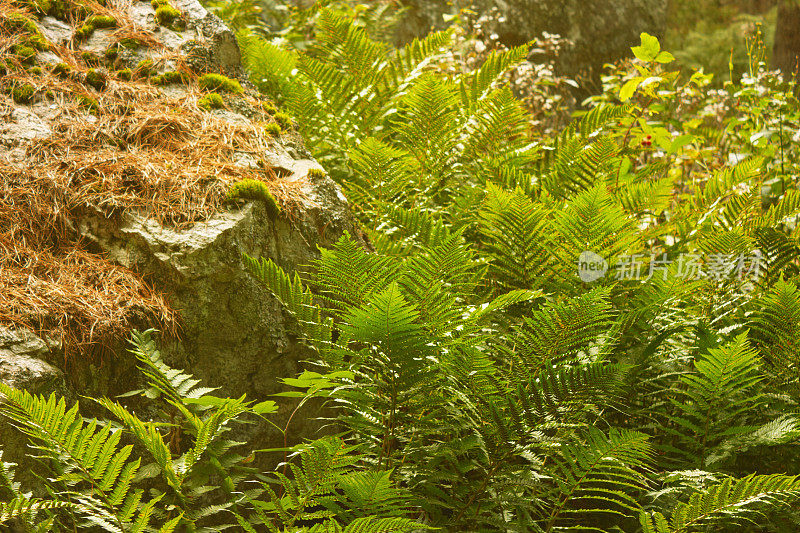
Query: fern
x=731 y=500
x=716 y=399
x=93 y=465
x=515 y=229
x=599 y=476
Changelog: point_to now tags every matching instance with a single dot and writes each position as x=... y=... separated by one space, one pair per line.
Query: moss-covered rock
x=255 y=190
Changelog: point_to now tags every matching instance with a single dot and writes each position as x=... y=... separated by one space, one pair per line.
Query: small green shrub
x=255 y=190
x=218 y=82
x=211 y=101
x=96 y=79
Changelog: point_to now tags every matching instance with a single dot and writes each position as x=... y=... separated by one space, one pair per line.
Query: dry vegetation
x=115 y=145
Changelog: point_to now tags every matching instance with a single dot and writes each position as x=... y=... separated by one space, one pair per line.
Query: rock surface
x=602 y=31
x=22 y=367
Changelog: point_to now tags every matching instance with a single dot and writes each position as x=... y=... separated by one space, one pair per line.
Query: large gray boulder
x=230 y=332
x=602 y=31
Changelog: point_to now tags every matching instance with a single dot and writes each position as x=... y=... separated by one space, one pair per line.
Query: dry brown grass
x=160 y=156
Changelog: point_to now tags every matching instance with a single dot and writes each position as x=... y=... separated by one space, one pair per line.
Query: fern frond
x=515 y=233
x=347 y=274
x=731 y=500
x=474 y=86
x=295 y=297
x=90 y=456
x=174 y=384
x=716 y=398
x=775 y=325
x=599 y=475
x=385 y=525
x=26 y=509
x=559 y=331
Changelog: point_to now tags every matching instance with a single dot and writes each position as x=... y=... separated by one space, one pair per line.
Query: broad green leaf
x=648 y=51
x=665 y=57
x=629 y=88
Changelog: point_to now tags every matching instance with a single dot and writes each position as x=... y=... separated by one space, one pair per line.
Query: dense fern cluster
x=482 y=381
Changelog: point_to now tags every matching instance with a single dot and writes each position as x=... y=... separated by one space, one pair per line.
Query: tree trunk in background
x=786 y=51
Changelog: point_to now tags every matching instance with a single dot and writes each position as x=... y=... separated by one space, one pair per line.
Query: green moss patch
x=250 y=189
x=129 y=43
x=91 y=59
x=211 y=101
x=316 y=174
x=62 y=70
x=24 y=53
x=166 y=15
x=284 y=120
x=269 y=108
x=168 y=78
x=92 y=23
x=145 y=68
x=32 y=38
x=96 y=79
x=88 y=103
x=273 y=129
x=125 y=74
x=101 y=21
x=23 y=93
x=219 y=83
